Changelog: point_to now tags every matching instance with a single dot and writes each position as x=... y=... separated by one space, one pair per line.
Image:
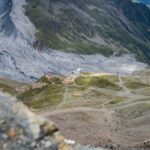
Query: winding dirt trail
x=130 y=104
x=121 y=84
x=78 y=109
x=66 y=94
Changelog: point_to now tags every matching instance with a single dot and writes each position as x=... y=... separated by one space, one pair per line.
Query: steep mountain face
x=92 y=26
x=85 y=27
x=16 y=36
x=147 y=2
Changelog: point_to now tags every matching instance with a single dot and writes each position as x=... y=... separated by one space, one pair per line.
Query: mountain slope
x=147 y=2
x=92 y=26
x=66 y=27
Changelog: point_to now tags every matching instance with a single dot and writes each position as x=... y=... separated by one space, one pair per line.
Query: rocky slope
x=21 y=61
x=92 y=26
x=147 y=2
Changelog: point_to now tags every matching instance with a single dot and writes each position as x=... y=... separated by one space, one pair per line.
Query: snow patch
x=70 y=142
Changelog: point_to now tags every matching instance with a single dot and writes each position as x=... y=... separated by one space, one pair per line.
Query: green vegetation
x=135 y=82
x=49 y=39
x=47 y=96
x=54 y=33
x=52 y=80
x=44 y=79
x=30 y=93
x=56 y=80
x=111 y=78
x=11 y=87
x=93 y=48
x=8 y=89
x=131 y=79
x=75 y=31
x=88 y=89
x=116 y=101
x=97 y=82
x=53 y=92
x=136 y=85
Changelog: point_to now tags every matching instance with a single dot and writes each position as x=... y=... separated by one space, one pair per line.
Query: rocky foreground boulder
x=20 y=129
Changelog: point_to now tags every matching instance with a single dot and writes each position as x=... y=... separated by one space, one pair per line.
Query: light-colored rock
x=11 y=133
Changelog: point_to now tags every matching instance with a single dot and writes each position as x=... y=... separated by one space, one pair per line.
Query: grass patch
x=97 y=82
x=116 y=101
x=44 y=79
x=131 y=79
x=11 y=86
x=86 y=48
x=136 y=85
x=56 y=80
x=46 y=101
x=47 y=96
x=8 y=89
x=30 y=93
x=111 y=78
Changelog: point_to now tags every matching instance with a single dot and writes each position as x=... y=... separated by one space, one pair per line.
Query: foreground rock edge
x=22 y=129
